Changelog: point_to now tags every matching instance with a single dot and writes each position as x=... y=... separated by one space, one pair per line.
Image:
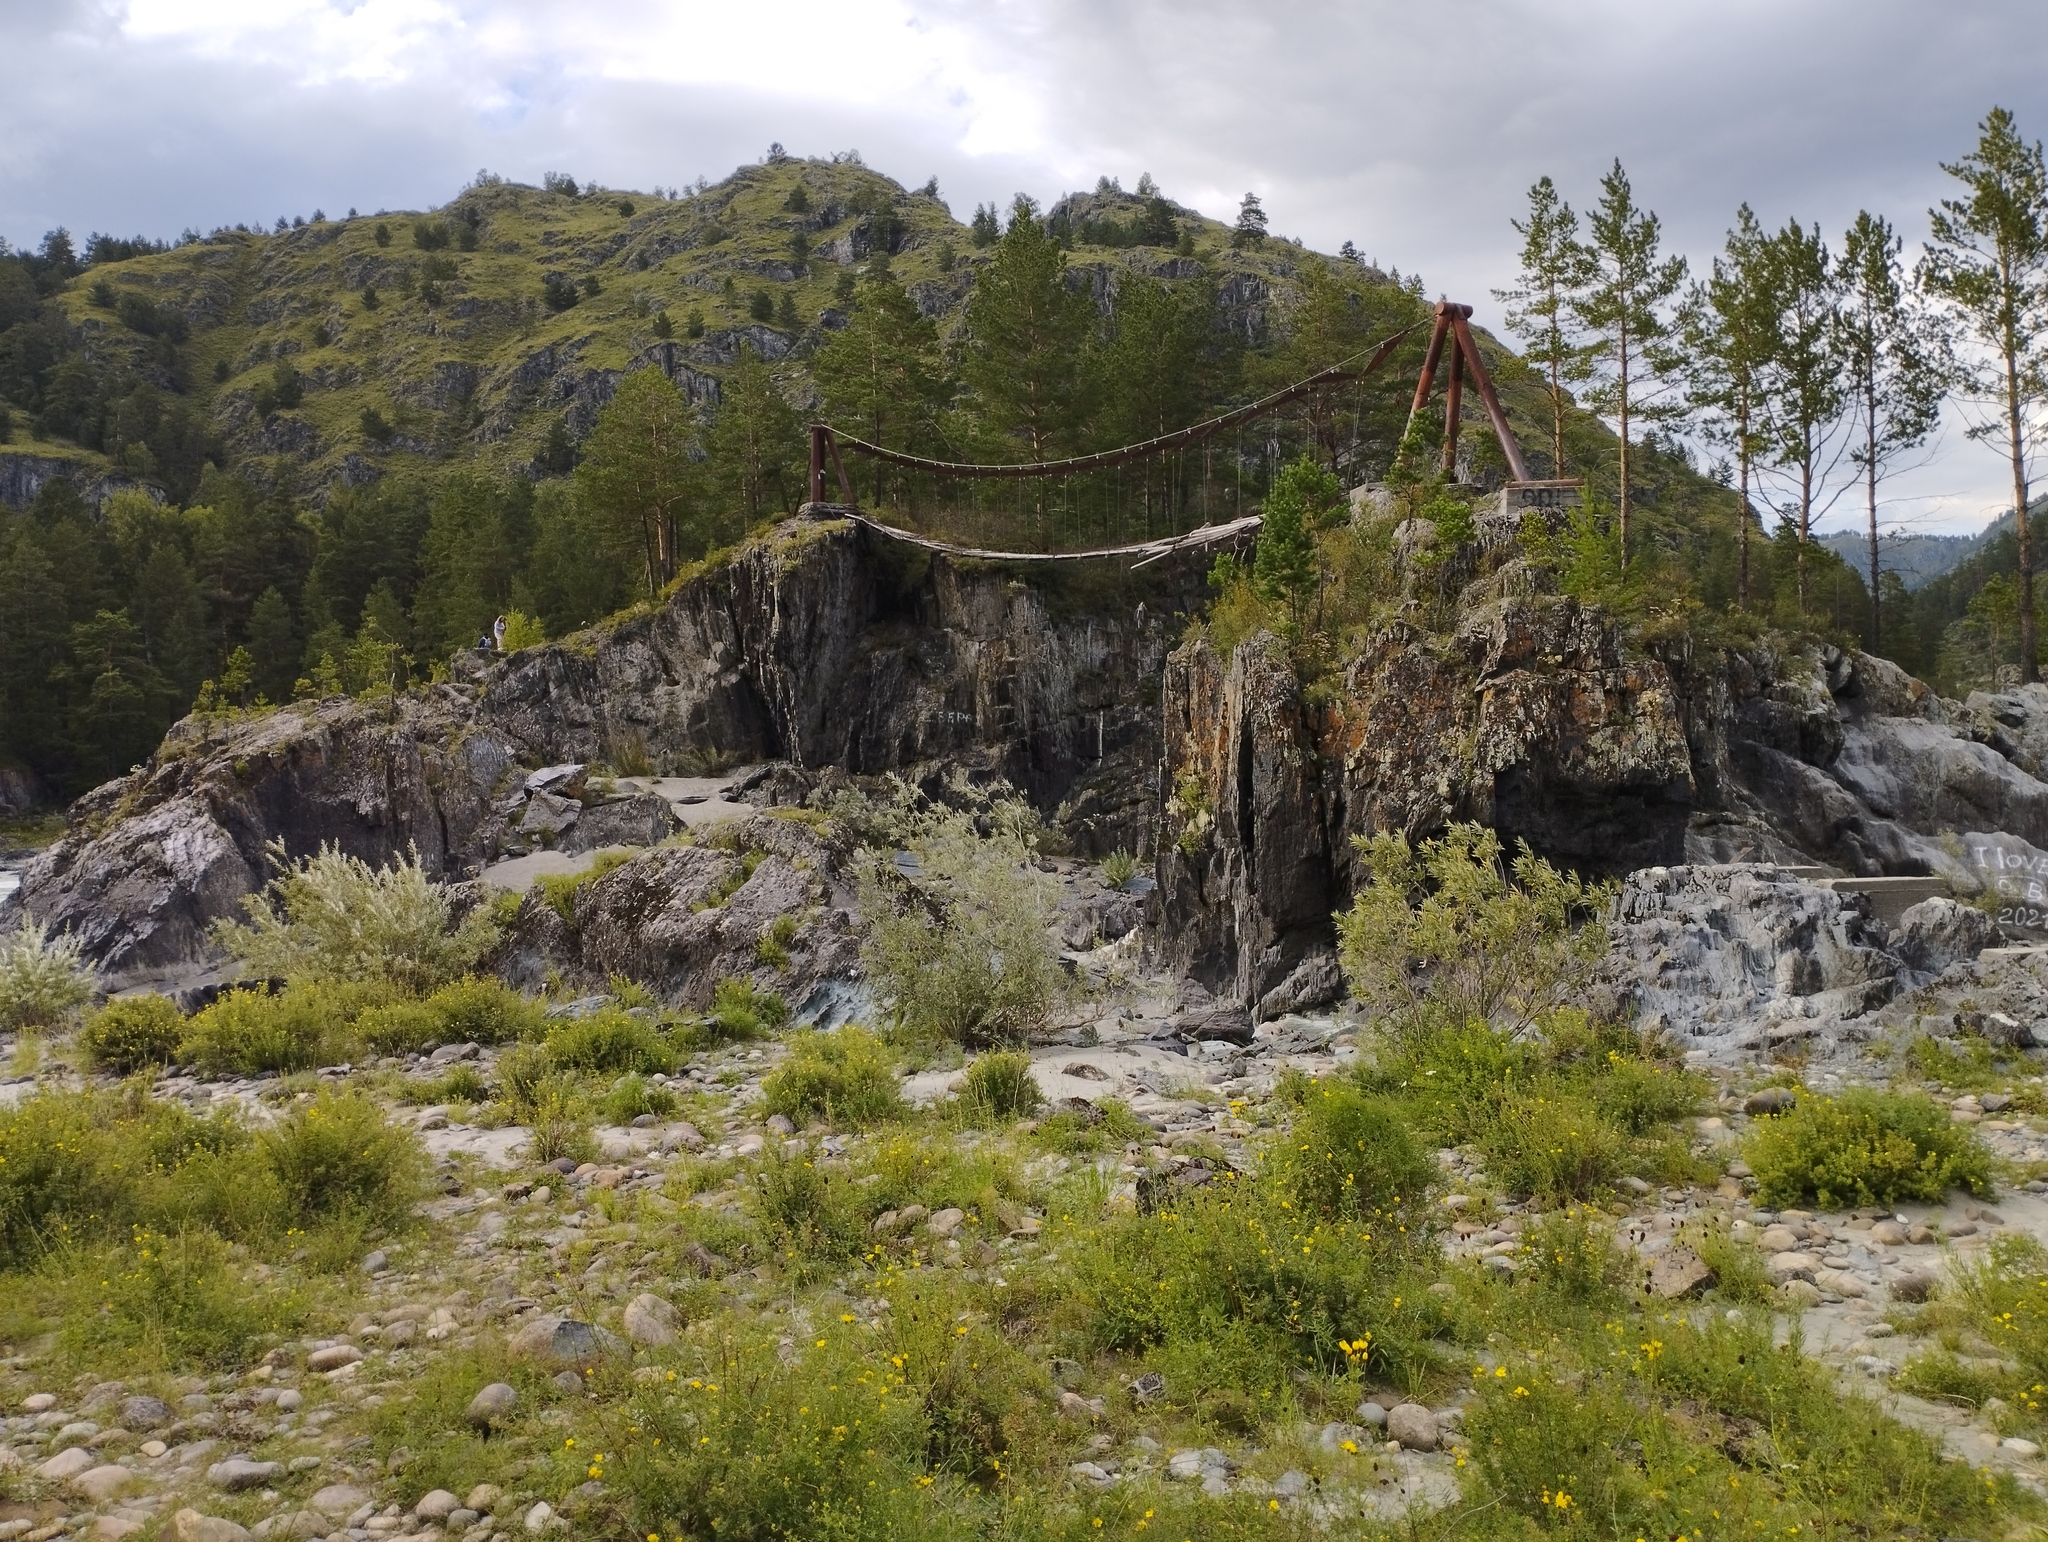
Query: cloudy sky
x=1410 y=129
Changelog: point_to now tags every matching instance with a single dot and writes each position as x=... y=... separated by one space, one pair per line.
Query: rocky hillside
x=472 y=330
x=816 y=647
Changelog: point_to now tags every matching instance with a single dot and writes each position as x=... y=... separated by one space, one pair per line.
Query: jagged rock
x=673 y=918
x=548 y=815
x=1536 y=723
x=645 y=820
x=1937 y=933
x=795 y=650
x=1728 y=957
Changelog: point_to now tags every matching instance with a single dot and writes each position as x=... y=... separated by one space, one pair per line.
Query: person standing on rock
x=498 y=634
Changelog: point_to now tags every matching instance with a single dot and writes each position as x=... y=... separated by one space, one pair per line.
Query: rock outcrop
x=816 y=645
x=1532 y=720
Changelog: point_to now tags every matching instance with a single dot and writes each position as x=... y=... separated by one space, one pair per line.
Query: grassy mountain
x=345 y=348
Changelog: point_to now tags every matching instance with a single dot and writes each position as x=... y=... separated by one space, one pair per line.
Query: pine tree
x=1623 y=305
x=637 y=475
x=1730 y=328
x=273 y=643
x=1805 y=391
x=1026 y=335
x=1250 y=229
x=985 y=230
x=881 y=375
x=1987 y=262
x=1556 y=269
x=755 y=443
x=1895 y=384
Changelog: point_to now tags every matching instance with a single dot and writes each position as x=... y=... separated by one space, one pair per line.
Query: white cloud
x=1411 y=130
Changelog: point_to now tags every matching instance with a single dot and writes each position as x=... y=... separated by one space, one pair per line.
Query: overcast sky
x=1413 y=130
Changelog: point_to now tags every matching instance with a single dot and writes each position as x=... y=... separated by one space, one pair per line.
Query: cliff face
x=1530 y=719
x=811 y=646
x=827 y=649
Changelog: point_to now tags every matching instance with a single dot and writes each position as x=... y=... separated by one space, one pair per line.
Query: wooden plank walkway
x=1146 y=551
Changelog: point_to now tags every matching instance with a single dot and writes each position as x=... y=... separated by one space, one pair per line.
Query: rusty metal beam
x=1429 y=363
x=1454 y=402
x=1484 y=383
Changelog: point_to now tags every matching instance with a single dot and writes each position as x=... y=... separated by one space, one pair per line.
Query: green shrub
x=1000 y=1084
x=558 y=1127
x=811 y=1213
x=609 y=1039
x=1551 y=1148
x=965 y=954
x=523 y=1071
x=1570 y=1254
x=738 y=1011
x=1119 y=868
x=1487 y=943
x=335 y=1155
x=459 y=1084
x=633 y=1095
x=247 y=1032
x=772 y=951
x=1351 y=1157
x=559 y=889
x=760 y=1448
x=474 y=1010
x=1865 y=1148
x=334 y=917
x=88 y=1164
x=43 y=979
x=131 y=1032
x=399 y=1028
x=170 y=1301
x=842 y=1078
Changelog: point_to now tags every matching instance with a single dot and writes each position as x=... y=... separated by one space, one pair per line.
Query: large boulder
x=1735 y=958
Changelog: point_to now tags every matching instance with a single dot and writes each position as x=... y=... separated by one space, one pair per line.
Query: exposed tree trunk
x=1622 y=376
x=2030 y=663
x=1870 y=493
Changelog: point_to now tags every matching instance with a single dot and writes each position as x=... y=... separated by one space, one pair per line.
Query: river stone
x=100 y=1484
x=492 y=1404
x=1414 y=1426
x=649 y=1319
x=562 y=1341
x=539 y=1516
x=191 y=1526
x=238 y=1473
x=142 y=1412
x=339 y=1499
x=483 y=1498
x=1791 y=1266
x=1679 y=1273
x=437 y=1505
x=1914 y=1285
x=333 y=1357
x=65 y=1464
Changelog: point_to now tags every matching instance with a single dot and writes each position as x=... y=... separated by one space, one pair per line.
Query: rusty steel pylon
x=1453 y=327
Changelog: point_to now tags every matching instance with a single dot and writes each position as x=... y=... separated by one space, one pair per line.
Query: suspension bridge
x=1080 y=505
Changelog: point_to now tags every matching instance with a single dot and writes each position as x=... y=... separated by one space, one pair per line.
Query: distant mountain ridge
x=1917 y=559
